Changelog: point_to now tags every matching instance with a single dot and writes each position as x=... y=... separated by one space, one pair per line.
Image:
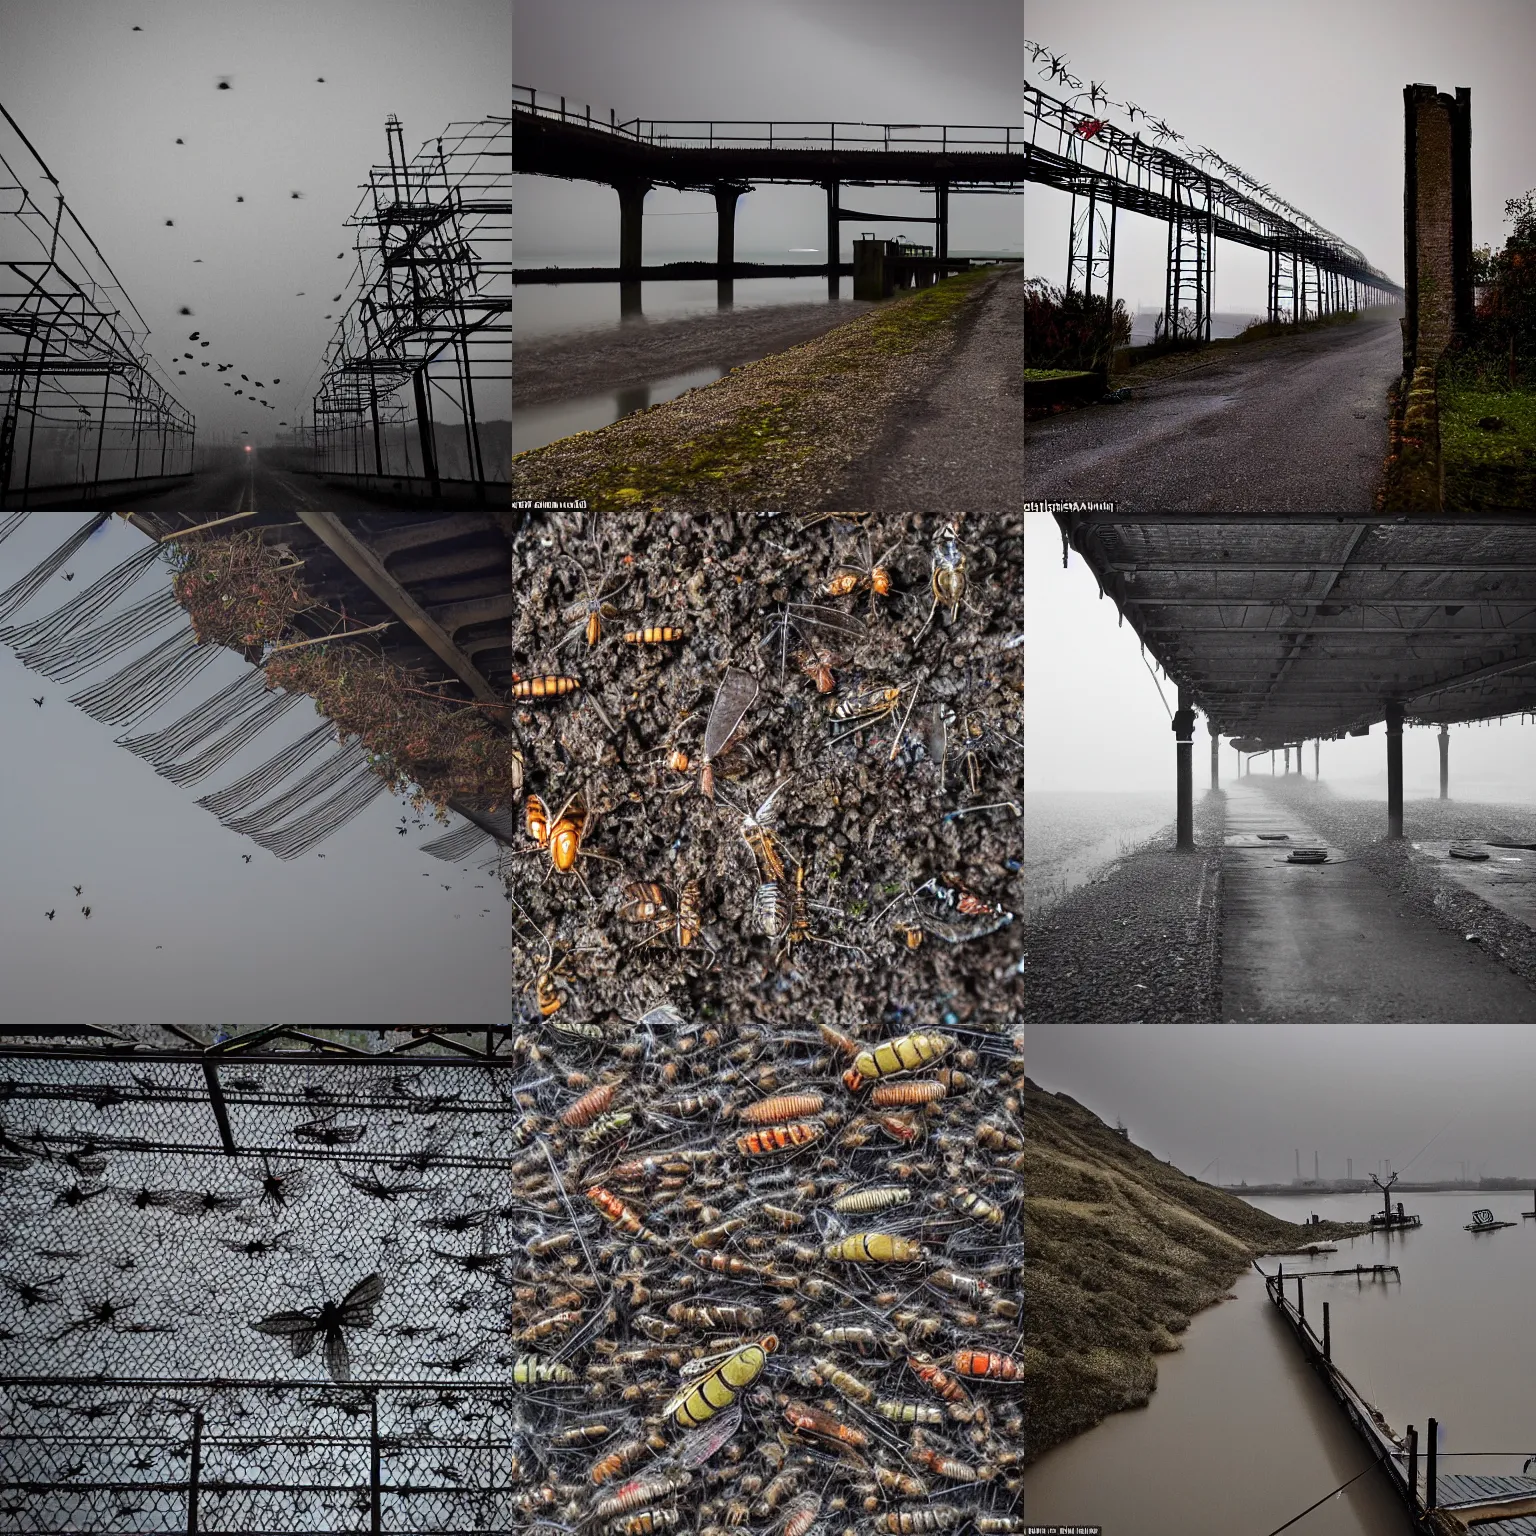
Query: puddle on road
x=538 y=425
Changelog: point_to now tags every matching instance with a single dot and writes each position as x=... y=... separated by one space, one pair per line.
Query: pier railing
x=700 y=133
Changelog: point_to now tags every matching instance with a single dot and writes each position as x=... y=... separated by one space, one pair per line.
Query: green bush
x=1067 y=329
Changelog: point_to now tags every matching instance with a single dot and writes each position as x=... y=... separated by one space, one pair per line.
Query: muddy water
x=1239 y=1437
x=1453 y=1341
x=534 y=426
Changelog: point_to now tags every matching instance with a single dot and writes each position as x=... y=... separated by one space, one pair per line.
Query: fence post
x=1301 y=1300
x=195 y=1472
x=1413 y=1469
x=375 y=1511
x=1327 y=1335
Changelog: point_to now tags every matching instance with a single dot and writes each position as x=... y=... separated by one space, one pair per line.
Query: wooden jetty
x=1499 y=1505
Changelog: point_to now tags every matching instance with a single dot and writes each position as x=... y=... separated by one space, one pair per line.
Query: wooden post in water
x=1301 y=1300
x=1327 y=1335
x=1431 y=1433
x=1413 y=1469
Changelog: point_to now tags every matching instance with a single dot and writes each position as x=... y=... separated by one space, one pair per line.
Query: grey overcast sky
x=1093 y=719
x=104 y=106
x=365 y=934
x=876 y=61
x=1427 y=1097
x=1304 y=96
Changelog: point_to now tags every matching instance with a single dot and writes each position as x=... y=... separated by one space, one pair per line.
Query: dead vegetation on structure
x=1122 y=1251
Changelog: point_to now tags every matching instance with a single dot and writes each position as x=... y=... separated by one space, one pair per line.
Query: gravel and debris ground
x=1141 y=944
x=781 y=432
x=1360 y=827
x=570 y=365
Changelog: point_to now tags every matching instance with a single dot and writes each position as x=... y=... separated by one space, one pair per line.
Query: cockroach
x=872 y=574
x=874 y=1248
x=536 y=820
x=900 y=1127
x=888 y=1095
x=817 y=665
x=946 y=576
x=782 y=1106
x=812 y=1421
x=800 y=1514
x=779 y=1138
x=649 y=903
x=906 y=1053
x=936 y=1379
x=654 y=634
x=548 y=685
x=945 y=1466
x=986 y=1363
x=733 y=698
x=588 y=1107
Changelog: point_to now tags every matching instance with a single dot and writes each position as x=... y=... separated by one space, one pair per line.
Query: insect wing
x=301 y=1329
x=359 y=1304
x=338 y=1359
x=828 y=621
x=704 y=1442
x=733 y=698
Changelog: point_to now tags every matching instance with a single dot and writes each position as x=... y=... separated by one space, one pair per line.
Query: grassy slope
x=1123 y=1250
x=1488 y=471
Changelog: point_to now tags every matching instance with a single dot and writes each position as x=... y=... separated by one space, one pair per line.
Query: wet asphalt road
x=258 y=486
x=1291 y=424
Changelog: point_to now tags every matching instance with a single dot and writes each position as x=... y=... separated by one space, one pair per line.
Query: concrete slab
x=1506 y=880
x=1327 y=943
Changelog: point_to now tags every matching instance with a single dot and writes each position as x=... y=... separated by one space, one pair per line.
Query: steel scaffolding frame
x=430 y=329
x=82 y=416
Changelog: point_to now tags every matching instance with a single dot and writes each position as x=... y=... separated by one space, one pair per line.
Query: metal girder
x=371 y=571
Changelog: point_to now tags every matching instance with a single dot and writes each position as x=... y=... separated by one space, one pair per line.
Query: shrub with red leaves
x=1067 y=329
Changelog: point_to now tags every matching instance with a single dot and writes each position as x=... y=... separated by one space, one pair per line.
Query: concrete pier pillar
x=834 y=239
x=727 y=193
x=631 y=243
x=1184 y=736
x=1215 y=754
x=1394 y=769
x=1445 y=762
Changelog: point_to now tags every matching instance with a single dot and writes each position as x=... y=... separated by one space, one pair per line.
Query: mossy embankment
x=773 y=432
x=1122 y=1251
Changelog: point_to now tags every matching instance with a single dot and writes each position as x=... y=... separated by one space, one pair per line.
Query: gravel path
x=960 y=444
x=1360 y=826
x=1140 y=944
x=568 y=367
x=1289 y=424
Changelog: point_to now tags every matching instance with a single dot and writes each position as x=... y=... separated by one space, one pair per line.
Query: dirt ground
x=869 y=828
x=566 y=367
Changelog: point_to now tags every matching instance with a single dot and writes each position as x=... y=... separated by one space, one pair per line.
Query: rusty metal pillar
x=1394 y=769
x=1445 y=762
x=1184 y=736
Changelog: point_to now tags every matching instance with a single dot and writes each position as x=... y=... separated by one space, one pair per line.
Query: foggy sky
x=1426 y=1097
x=1093 y=719
x=872 y=61
x=1306 y=97
x=358 y=936
x=104 y=106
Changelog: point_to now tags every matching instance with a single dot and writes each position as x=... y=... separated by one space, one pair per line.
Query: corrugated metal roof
x=1285 y=628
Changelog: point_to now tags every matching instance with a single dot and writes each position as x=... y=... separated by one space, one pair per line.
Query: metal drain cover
x=1308 y=856
x=1275 y=837
x=1467 y=851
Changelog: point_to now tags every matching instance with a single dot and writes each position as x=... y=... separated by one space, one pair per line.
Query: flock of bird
x=225 y=83
x=1053 y=66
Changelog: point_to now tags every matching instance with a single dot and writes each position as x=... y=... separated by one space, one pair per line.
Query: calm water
x=1240 y=1435
x=1070 y=836
x=536 y=425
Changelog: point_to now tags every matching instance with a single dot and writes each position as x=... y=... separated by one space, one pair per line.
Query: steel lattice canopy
x=1286 y=628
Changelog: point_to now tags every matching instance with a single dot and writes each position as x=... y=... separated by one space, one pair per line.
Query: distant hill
x=1122 y=1251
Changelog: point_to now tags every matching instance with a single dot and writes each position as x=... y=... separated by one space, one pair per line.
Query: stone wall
x=1437 y=234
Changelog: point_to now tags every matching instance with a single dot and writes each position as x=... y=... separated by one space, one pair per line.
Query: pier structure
x=1311 y=626
x=1497 y=1504
x=727 y=159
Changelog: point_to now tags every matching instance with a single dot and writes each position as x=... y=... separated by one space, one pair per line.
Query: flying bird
x=50 y=915
x=170 y=223
x=341 y=255
x=277 y=381
x=38 y=702
x=337 y=299
x=319 y=79
x=86 y=910
x=224 y=82
x=184 y=310
x=69 y=575
x=239 y=199
x=138 y=29
x=195 y=336
x=197 y=261
x=181 y=141
x=295 y=194
x=246 y=857
x=78 y=891
x=182 y=372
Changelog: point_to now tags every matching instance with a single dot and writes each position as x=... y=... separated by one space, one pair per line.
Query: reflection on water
x=534 y=426
x=1070 y=836
x=1240 y=1436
